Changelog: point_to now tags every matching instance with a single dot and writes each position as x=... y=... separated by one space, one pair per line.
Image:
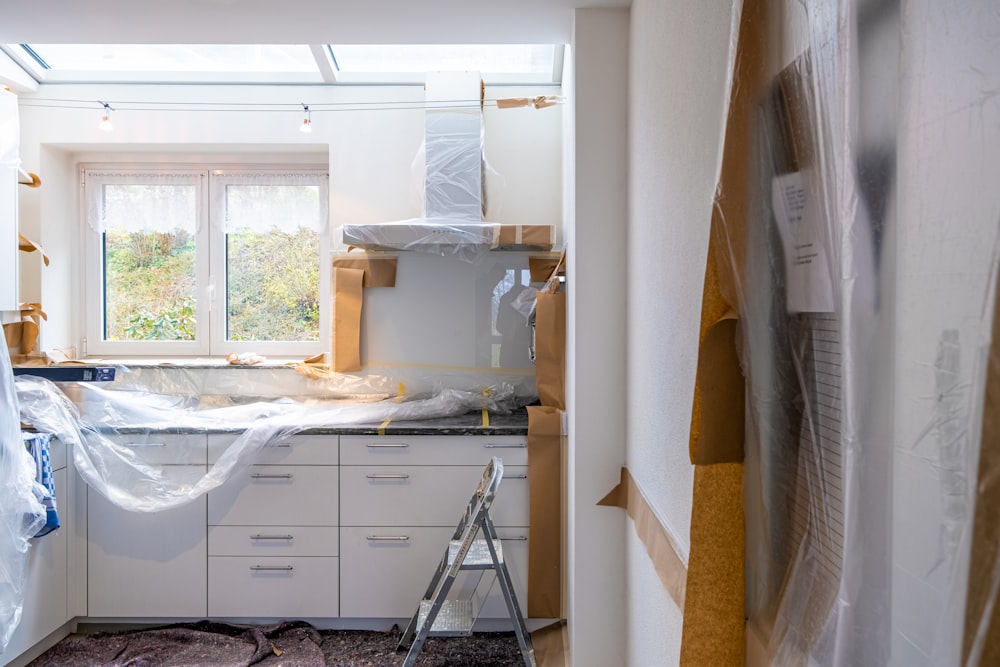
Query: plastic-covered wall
x=863 y=264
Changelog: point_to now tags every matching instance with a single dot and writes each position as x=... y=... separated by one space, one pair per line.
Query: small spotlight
x=306 y=125
x=105 y=124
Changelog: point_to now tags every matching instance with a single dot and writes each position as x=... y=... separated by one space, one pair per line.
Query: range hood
x=454 y=200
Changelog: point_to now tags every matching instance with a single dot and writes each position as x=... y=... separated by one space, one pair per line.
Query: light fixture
x=307 y=121
x=106 y=118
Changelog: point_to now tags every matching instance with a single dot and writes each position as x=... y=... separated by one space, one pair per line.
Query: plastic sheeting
x=21 y=511
x=859 y=488
x=92 y=421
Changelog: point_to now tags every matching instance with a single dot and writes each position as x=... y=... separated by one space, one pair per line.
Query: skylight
x=269 y=63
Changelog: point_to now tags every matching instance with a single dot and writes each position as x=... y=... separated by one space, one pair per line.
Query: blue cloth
x=38 y=446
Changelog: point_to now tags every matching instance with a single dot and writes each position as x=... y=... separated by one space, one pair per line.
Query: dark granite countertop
x=471 y=423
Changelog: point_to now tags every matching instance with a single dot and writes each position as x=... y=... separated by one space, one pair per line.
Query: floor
x=290 y=644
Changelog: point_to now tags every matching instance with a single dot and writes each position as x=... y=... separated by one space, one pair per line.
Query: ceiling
x=300 y=22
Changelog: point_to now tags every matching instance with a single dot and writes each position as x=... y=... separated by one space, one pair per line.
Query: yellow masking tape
x=383 y=425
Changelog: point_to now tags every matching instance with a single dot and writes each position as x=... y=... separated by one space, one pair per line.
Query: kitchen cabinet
x=402 y=497
x=45 y=607
x=151 y=564
x=273 y=539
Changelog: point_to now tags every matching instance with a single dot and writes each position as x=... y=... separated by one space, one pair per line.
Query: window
x=205 y=262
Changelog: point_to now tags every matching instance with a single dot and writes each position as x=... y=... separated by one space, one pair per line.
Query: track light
x=307 y=121
x=106 y=118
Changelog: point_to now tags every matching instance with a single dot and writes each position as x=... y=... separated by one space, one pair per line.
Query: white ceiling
x=291 y=21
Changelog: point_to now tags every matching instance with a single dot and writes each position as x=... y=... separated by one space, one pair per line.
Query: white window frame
x=210 y=293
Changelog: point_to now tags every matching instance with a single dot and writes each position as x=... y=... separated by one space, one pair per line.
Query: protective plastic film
x=860 y=490
x=110 y=431
x=21 y=510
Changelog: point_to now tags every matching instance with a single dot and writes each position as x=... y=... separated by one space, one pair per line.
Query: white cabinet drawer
x=387 y=571
x=164 y=448
x=426 y=496
x=277 y=495
x=293 y=450
x=472 y=450
x=272 y=541
x=269 y=587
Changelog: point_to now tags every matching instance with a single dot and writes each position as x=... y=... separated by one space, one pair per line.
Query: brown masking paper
x=22 y=337
x=981 y=642
x=545 y=493
x=540 y=268
x=378 y=271
x=25 y=244
x=719 y=421
x=536 y=236
x=550 y=342
x=662 y=551
x=346 y=334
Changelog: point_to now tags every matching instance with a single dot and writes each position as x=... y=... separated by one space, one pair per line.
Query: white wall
x=596 y=338
x=438 y=316
x=678 y=91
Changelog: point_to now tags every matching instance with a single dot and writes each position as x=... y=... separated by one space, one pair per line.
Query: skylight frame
x=323 y=57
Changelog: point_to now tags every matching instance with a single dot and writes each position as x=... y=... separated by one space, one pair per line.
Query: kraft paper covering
x=536 y=236
x=346 y=334
x=662 y=550
x=550 y=341
x=539 y=102
x=540 y=268
x=378 y=271
x=25 y=244
x=545 y=493
x=22 y=336
x=981 y=642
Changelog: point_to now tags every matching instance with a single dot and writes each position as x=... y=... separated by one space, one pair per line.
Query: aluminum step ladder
x=439 y=616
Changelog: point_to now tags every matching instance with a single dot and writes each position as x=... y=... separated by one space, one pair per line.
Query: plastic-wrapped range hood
x=453 y=202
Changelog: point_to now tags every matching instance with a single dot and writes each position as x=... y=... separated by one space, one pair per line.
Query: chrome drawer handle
x=515 y=477
x=144 y=444
x=270 y=537
x=399 y=446
x=519 y=538
x=279 y=444
x=399 y=476
x=490 y=445
x=271 y=568
x=258 y=475
x=388 y=538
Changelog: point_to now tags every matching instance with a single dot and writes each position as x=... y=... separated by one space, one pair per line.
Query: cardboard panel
x=346 y=334
x=545 y=489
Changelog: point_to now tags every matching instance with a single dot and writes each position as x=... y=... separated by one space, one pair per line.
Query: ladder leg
x=411 y=627
x=507 y=588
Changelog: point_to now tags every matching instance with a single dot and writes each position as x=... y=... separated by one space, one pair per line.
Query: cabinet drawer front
x=273 y=587
x=386 y=571
x=164 y=448
x=272 y=541
x=147 y=563
x=277 y=496
x=426 y=495
x=472 y=450
x=293 y=450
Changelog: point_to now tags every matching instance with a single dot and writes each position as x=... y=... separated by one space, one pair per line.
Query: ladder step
x=478 y=556
x=453 y=620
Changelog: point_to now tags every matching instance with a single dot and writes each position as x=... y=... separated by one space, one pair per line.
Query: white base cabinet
x=402 y=498
x=318 y=527
x=273 y=539
x=150 y=564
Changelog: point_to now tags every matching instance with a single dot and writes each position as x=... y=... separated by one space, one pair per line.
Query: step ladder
x=474 y=546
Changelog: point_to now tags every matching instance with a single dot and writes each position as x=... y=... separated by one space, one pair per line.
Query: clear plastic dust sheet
x=855 y=233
